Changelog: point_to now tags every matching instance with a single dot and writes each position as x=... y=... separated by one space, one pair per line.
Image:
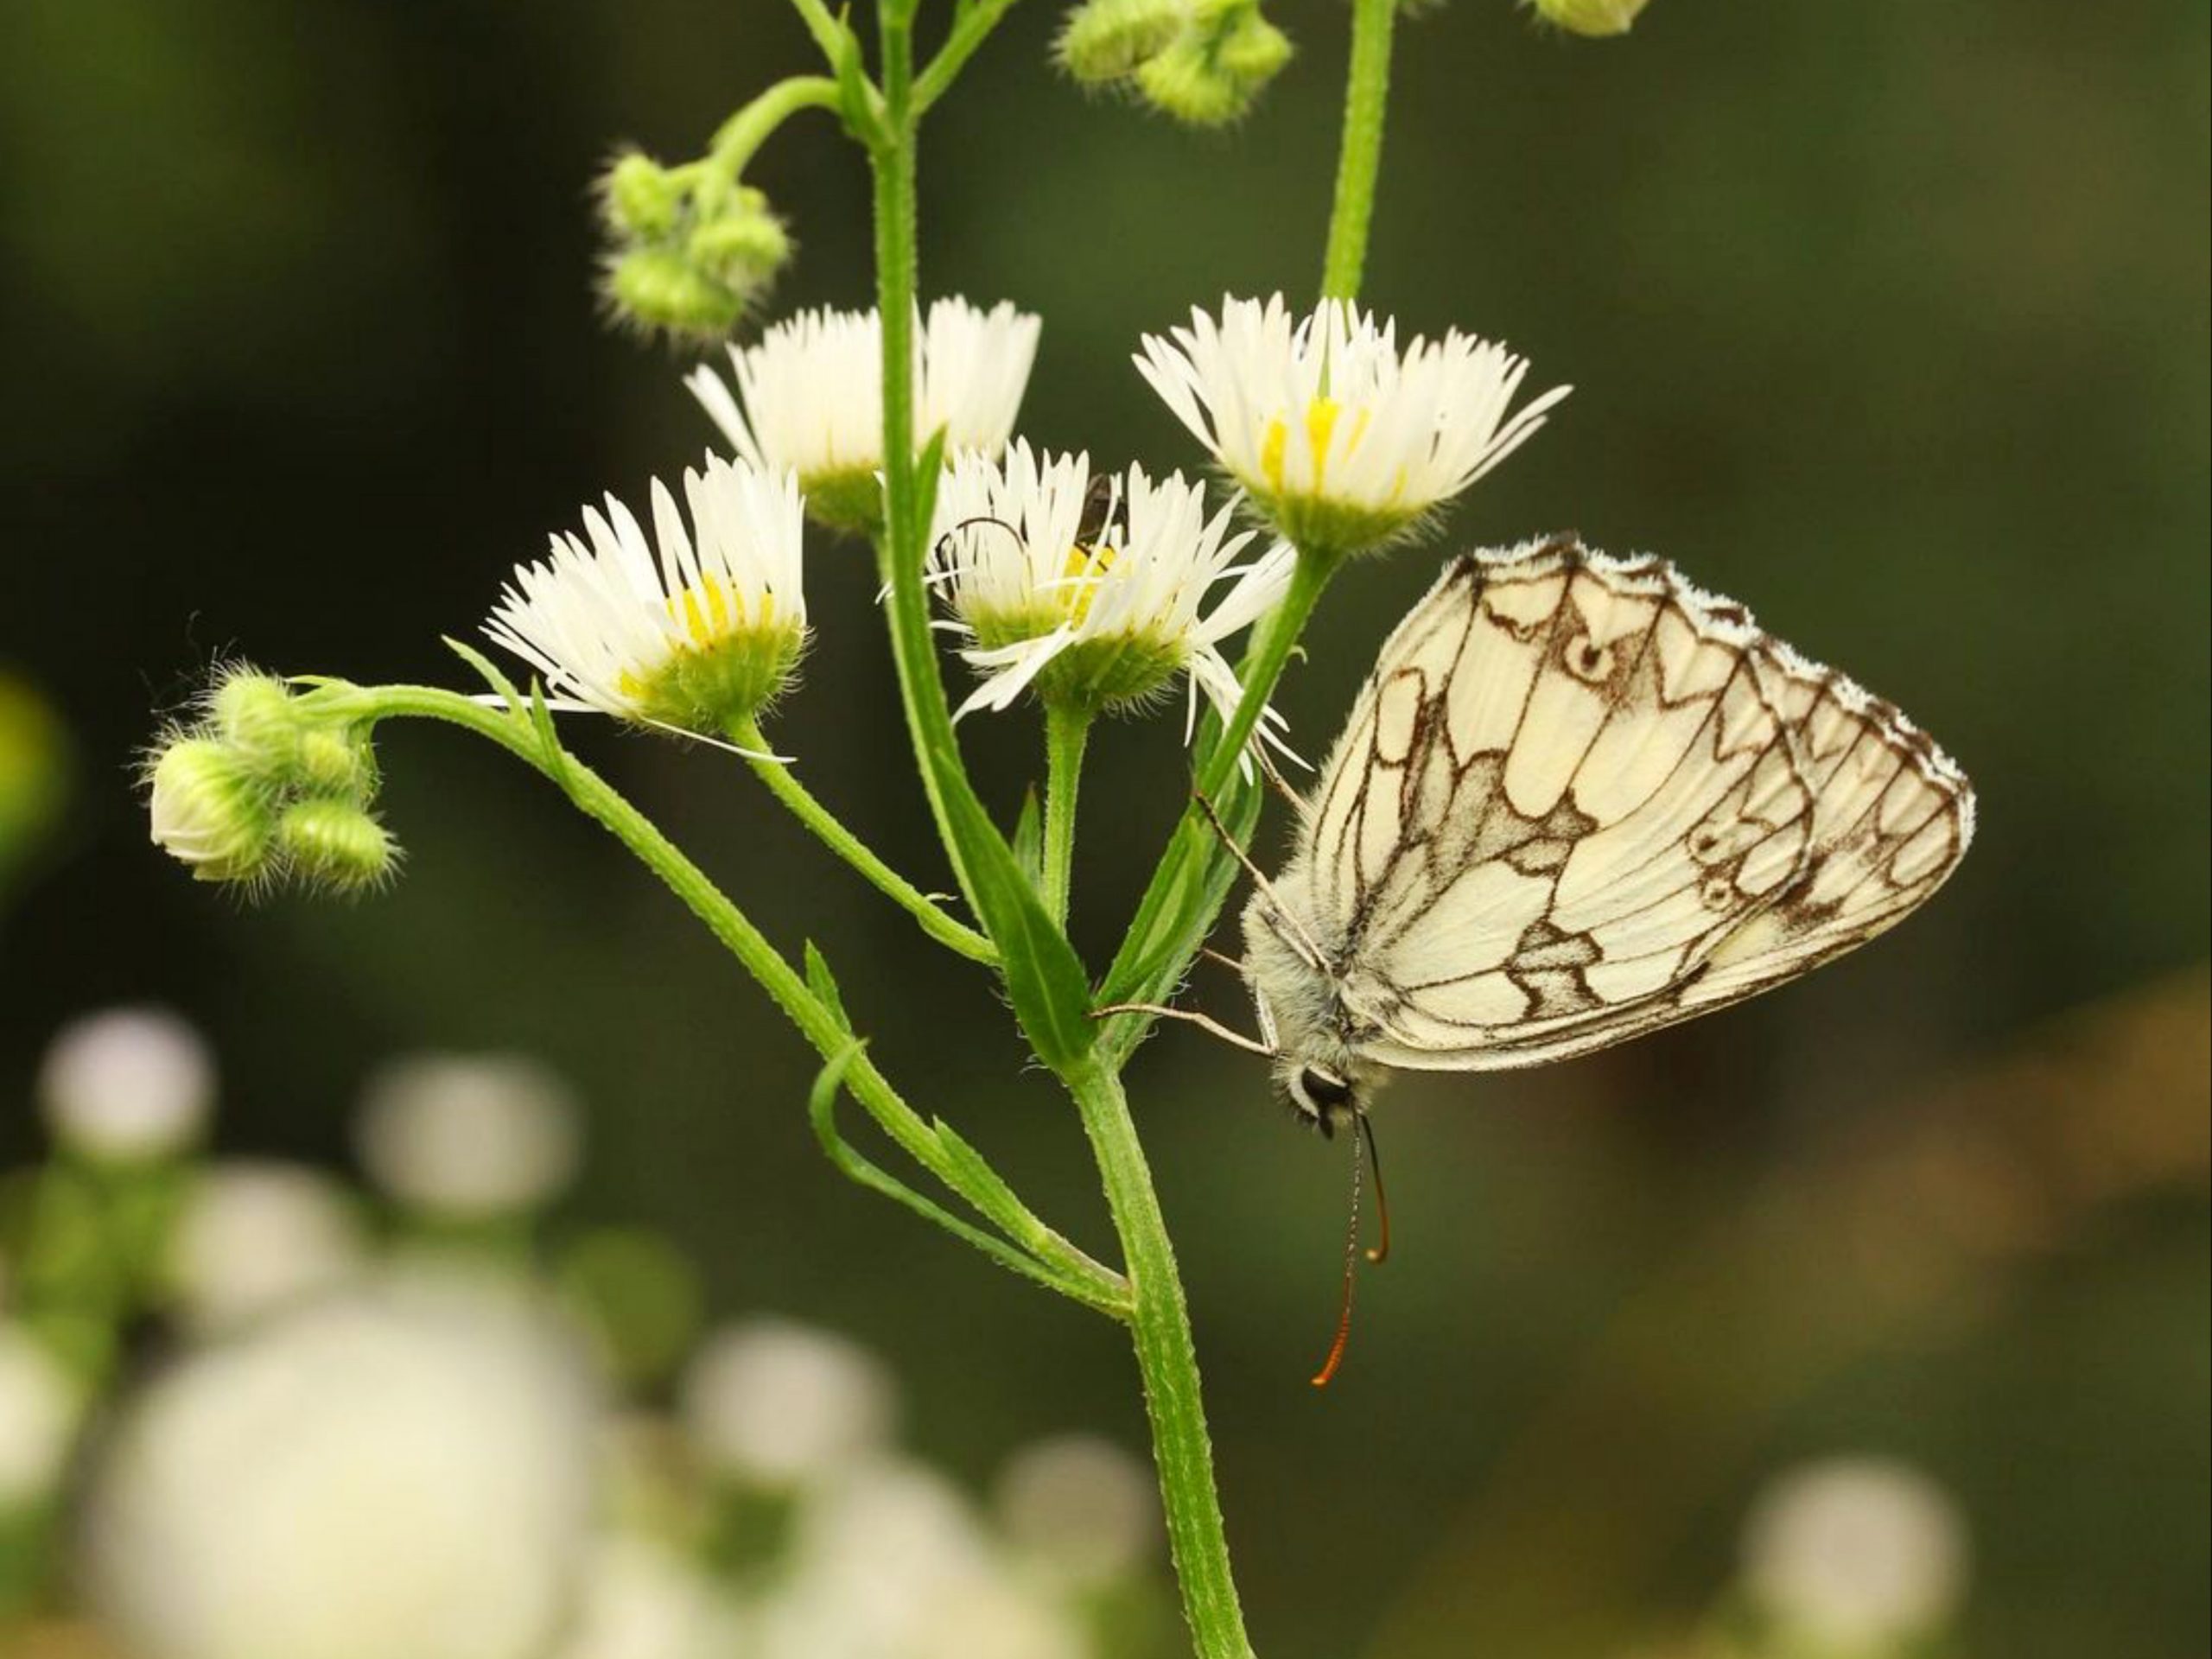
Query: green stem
x=1160 y=1322
x=828 y=33
x=1367 y=93
x=971 y=25
x=921 y=690
x=738 y=139
x=786 y=788
x=1067 y=731
x=822 y=1027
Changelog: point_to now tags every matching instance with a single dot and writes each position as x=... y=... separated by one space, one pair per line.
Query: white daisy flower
x=1342 y=440
x=809 y=397
x=1093 y=590
x=698 y=638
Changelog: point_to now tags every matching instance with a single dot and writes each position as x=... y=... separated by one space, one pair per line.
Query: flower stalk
x=802 y=804
x=1359 y=160
x=1067 y=733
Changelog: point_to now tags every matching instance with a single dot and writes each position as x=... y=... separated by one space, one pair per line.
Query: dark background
x=1889 y=319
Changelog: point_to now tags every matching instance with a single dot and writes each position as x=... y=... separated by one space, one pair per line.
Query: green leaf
x=556 y=757
x=822 y=1109
x=498 y=683
x=1029 y=838
x=1186 y=893
x=823 y=984
x=973 y=1177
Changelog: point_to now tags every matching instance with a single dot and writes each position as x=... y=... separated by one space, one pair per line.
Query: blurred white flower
x=1856 y=1552
x=254 y=1236
x=810 y=397
x=402 y=1470
x=643 y=1601
x=697 y=639
x=40 y=1405
x=1344 y=441
x=776 y=1403
x=890 y=1562
x=1082 y=1508
x=127 y=1084
x=1097 y=596
x=469 y=1135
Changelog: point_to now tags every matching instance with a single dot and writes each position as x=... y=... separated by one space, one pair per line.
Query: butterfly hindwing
x=1580 y=799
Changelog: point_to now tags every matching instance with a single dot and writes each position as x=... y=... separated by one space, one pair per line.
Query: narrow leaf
x=823 y=984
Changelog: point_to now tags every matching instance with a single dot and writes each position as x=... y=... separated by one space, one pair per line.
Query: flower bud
x=207 y=811
x=743 y=246
x=337 y=761
x=254 y=717
x=1106 y=41
x=335 y=844
x=639 y=198
x=1211 y=73
x=1596 y=18
x=657 y=288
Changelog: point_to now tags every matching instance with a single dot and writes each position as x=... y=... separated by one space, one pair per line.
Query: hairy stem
x=738 y=139
x=786 y=788
x=1067 y=731
x=921 y=690
x=971 y=25
x=1359 y=160
x=1160 y=1322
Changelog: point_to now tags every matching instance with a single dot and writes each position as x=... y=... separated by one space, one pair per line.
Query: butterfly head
x=1323 y=1095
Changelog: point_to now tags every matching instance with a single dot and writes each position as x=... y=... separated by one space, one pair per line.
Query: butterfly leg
x=1304 y=942
x=1204 y=1022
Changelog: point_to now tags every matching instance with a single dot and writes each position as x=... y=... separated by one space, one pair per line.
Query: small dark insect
x=1099 y=502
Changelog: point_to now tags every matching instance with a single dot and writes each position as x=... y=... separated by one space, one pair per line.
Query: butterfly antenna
x=1381 y=1252
x=1321 y=1378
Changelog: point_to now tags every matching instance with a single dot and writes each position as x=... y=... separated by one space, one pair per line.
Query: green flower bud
x=336 y=761
x=1596 y=18
x=1211 y=73
x=659 y=289
x=1105 y=41
x=254 y=715
x=743 y=251
x=336 y=844
x=209 y=811
x=639 y=198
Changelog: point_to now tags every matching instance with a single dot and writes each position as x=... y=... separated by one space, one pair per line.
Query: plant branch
x=526 y=733
x=738 y=139
x=1359 y=161
x=785 y=788
x=1067 y=731
x=971 y=25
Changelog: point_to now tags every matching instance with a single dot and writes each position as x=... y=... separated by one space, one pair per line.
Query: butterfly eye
x=1324 y=1089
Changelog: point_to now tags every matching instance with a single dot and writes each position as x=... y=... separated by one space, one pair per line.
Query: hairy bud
x=1597 y=18
x=209 y=812
x=1107 y=40
x=1212 y=73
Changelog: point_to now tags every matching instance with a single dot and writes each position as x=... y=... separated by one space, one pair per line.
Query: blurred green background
x=1889 y=319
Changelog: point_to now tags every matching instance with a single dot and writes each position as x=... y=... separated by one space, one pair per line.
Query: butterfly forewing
x=1580 y=799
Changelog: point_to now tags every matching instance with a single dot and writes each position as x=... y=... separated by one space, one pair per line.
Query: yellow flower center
x=1085 y=568
x=1321 y=416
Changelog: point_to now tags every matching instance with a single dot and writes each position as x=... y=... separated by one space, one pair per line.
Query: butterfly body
x=1578 y=800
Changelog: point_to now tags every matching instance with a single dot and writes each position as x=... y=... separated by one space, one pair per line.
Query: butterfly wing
x=1580 y=799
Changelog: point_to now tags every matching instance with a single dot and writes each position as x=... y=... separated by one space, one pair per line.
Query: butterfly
x=1578 y=800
